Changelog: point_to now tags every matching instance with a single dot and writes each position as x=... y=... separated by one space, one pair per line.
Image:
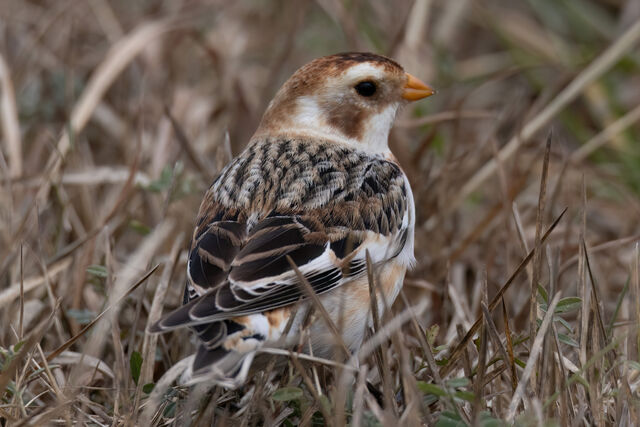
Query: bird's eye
x=366 y=88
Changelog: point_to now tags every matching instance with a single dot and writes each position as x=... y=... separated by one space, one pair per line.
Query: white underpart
x=407 y=256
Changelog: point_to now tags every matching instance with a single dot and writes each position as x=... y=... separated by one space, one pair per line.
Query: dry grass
x=525 y=303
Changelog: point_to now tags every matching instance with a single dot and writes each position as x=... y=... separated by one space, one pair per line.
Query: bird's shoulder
x=338 y=184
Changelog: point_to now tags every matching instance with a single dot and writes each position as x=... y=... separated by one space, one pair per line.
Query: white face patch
x=310 y=120
x=308 y=115
x=377 y=128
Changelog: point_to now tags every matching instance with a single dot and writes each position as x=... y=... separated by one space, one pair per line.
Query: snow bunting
x=316 y=186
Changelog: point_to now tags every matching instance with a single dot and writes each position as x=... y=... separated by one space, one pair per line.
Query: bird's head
x=348 y=97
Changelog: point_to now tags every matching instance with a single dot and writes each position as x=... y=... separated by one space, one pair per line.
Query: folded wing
x=240 y=261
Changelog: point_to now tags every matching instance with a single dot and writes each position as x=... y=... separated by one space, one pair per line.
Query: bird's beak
x=415 y=89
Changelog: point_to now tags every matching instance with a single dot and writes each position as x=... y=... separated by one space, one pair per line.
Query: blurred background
x=117 y=115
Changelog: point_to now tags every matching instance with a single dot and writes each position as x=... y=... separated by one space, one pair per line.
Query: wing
x=325 y=217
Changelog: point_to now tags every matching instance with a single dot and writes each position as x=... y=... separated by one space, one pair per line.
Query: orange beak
x=415 y=89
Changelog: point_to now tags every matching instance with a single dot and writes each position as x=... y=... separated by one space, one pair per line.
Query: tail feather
x=226 y=346
x=211 y=334
x=228 y=368
x=176 y=319
x=214 y=361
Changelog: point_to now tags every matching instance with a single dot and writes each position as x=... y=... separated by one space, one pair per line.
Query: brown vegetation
x=524 y=305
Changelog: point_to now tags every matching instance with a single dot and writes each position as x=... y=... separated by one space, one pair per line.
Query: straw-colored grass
x=524 y=306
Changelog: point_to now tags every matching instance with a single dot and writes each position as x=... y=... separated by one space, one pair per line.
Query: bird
x=296 y=215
